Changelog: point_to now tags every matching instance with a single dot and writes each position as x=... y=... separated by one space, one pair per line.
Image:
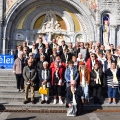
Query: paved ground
x=60 y=116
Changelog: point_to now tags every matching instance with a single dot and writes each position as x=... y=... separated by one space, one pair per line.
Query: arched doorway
x=26 y=17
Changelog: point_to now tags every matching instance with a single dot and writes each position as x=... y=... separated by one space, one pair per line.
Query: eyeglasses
x=73 y=84
x=33 y=45
x=92 y=56
x=25 y=50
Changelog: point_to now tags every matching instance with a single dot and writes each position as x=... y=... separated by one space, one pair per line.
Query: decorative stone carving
x=50 y=25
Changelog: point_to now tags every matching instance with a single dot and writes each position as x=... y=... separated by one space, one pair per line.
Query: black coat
x=63 y=59
x=94 y=76
x=78 y=94
x=42 y=45
x=61 y=48
x=51 y=45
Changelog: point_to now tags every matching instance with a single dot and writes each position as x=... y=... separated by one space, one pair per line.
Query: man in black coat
x=53 y=44
x=74 y=92
x=40 y=43
x=63 y=46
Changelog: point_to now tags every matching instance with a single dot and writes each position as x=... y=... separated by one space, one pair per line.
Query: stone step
x=6 y=72
x=38 y=106
x=8 y=86
x=7 y=81
x=7 y=78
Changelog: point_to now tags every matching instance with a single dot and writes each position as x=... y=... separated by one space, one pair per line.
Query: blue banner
x=6 y=61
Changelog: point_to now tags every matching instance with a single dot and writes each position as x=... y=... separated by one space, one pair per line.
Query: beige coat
x=17 y=67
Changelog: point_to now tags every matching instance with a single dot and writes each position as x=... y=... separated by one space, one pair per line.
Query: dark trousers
x=20 y=81
x=97 y=93
x=57 y=90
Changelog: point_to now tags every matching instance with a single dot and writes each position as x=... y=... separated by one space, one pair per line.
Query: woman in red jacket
x=91 y=62
x=57 y=81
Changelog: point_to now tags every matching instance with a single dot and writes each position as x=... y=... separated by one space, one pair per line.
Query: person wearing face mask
x=71 y=73
x=73 y=99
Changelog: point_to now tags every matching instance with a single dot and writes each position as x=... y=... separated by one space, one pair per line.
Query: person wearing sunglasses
x=91 y=62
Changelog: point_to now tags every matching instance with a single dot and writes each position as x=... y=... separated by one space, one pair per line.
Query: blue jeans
x=112 y=92
x=85 y=92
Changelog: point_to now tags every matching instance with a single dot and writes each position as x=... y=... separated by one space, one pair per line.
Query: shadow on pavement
x=27 y=118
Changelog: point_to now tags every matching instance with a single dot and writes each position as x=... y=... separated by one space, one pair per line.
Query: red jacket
x=61 y=71
x=89 y=63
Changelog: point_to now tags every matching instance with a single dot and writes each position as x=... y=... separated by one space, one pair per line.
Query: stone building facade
x=71 y=20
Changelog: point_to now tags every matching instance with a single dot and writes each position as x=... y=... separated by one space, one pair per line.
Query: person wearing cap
x=97 y=81
x=84 y=82
x=29 y=74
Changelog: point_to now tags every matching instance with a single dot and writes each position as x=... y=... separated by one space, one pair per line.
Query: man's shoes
x=25 y=102
x=47 y=101
x=42 y=102
x=33 y=102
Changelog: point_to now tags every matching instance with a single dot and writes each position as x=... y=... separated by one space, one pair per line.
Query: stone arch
x=84 y=15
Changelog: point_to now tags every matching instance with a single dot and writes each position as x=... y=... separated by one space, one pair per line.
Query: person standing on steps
x=18 y=70
x=29 y=74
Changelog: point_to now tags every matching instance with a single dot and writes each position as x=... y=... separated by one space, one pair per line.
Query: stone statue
x=50 y=25
x=106 y=34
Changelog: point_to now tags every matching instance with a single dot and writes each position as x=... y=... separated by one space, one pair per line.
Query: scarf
x=74 y=101
x=115 y=80
x=83 y=77
x=71 y=74
x=98 y=81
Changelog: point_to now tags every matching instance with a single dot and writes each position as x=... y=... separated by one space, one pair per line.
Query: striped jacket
x=109 y=78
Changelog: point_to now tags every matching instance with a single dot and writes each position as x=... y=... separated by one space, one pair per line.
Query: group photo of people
x=69 y=74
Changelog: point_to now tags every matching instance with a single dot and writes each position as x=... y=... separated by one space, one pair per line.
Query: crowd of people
x=68 y=70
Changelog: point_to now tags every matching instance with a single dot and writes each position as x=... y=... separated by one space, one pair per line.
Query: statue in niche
x=50 y=25
x=9 y=3
x=106 y=32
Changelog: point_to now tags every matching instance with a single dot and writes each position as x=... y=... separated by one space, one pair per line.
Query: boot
x=83 y=101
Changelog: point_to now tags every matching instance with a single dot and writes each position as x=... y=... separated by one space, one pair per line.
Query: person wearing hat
x=84 y=81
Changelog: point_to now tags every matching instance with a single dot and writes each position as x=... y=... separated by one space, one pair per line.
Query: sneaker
x=114 y=103
x=21 y=90
x=60 y=102
x=18 y=90
x=109 y=103
x=55 y=101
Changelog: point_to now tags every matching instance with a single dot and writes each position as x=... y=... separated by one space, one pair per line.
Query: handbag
x=43 y=90
x=71 y=111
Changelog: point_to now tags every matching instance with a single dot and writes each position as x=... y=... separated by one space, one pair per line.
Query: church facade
x=69 y=20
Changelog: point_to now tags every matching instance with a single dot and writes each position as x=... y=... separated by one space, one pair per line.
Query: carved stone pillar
x=118 y=36
x=98 y=27
x=112 y=35
x=1 y=21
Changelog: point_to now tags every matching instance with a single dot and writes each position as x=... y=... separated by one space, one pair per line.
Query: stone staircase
x=10 y=99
